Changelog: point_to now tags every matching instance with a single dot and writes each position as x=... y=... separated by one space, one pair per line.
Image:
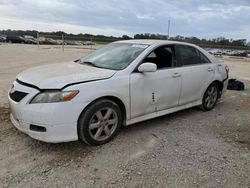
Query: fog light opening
x=37 y=128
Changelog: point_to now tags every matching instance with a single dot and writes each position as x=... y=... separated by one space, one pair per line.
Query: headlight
x=54 y=96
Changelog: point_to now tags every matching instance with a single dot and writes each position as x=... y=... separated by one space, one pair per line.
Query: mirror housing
x=147 y=67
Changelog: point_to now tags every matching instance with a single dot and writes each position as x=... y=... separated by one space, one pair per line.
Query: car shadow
x=148 y=124
x=78 y=149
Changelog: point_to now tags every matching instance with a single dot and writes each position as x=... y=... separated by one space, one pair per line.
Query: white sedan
x=122 y=83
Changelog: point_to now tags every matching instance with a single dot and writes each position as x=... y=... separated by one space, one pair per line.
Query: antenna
x=168 y=27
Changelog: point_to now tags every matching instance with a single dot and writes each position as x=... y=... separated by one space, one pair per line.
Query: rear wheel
x=210 y=97
x=100 y=122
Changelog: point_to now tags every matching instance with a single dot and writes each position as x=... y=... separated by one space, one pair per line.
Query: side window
x=189 y=55
x=204 y=59
x=163 y=57
x=152 y=55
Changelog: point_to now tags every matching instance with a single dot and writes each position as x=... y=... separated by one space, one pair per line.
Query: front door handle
x=176 y=75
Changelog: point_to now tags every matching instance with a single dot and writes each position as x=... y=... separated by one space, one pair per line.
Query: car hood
x=56 y=76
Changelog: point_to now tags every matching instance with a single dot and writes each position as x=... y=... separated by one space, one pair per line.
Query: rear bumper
x=225 y=83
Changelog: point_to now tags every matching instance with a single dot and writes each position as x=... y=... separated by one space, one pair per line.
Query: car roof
x=154 y=42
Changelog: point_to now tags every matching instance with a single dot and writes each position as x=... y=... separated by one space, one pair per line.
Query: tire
x=96 y=129
x=210 y=97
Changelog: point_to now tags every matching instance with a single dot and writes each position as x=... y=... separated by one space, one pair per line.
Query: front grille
x=17 y=96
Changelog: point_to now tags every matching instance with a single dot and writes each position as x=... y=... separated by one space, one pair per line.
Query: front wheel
x=100 y=122
x=210 y=97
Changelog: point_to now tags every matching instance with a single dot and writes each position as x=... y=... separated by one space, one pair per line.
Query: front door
x=155 y=91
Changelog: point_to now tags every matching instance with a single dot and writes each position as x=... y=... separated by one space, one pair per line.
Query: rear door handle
x=176 y=75
x=210 y=69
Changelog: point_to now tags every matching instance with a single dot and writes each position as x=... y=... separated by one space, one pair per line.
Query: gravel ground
x=190 y=148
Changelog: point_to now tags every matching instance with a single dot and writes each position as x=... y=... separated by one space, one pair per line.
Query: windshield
x=115 y=56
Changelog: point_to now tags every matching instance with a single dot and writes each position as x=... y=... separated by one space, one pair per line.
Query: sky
x=199 y=18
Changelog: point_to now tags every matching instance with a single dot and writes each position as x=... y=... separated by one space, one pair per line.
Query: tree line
x=220 y=41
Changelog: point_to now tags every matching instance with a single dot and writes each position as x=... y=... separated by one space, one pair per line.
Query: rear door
x=197 y=73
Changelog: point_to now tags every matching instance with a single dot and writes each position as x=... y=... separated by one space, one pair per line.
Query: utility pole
x=62 y=43
x=248 y=52
x=37 y=37
x=168 y=28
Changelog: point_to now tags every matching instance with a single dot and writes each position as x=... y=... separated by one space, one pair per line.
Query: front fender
x=113 y=87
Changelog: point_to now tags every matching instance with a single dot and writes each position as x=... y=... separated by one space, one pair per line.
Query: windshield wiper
x=90 y=63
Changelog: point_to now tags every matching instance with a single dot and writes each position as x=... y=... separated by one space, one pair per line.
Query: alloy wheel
x=103 y=124
x=211 y=96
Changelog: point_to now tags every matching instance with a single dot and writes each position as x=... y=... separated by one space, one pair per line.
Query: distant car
x=78 y=42
x=60 y=42
x=30 y=39
x=122 y=83
x=218 y=53
x=2 y=39
x=74 y=42
x=88 y=43
x=15 y=39
x=240 y=53
x=49 y=41
x=215 y=52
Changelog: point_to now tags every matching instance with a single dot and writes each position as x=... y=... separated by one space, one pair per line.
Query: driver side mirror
x=147 y=67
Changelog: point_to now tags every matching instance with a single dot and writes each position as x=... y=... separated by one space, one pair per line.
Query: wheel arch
x=218 y=83
x=116 y=100
x=220 y=86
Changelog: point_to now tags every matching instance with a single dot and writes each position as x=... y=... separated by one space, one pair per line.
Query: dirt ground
x=190 y=148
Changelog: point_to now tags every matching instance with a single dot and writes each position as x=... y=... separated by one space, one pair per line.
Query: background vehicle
x=88 y=43
x=30 y=39
x=15 y=39
x=120 y=84
x=2 y=38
